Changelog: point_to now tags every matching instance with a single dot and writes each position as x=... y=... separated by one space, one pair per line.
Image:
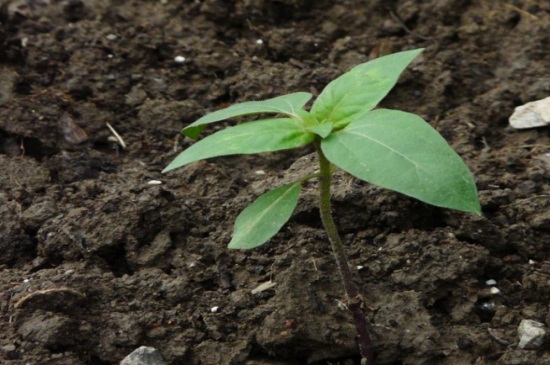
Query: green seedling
x=389 y=148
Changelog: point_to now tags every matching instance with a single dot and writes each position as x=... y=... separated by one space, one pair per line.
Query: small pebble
x=491 y=282
x=154 y=182
x=531 y=334
x=259 y=42
x=9 y=348
x=179 y=59
x=530 y=115
x=144 y=356
x=111 y=37
x=214 y=309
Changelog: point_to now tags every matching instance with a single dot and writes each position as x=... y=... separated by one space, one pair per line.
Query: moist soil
x=100 y=253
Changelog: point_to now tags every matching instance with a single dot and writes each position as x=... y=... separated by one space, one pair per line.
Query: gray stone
x=531 y=334
x=533 y=114
x=144 y=356
x=9 y=348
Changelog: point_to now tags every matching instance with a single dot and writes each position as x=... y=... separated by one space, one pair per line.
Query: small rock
x=179 y=59
x=144 y=356
x=531 y=334
x=71 y=131
x=9 y=348
x=533 y=114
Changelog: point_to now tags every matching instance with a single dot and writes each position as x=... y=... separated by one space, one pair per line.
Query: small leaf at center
x=358 y=91
x=322 y=130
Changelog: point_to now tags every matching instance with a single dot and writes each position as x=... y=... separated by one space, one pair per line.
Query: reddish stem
x=352 y=293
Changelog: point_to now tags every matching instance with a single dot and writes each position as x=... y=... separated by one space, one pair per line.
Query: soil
x=96 y=260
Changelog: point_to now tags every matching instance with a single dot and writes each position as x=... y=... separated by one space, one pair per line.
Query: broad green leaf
x=401 y=152
x=322 y=130
x=264 y=218
x=287 y=105
x=361 y=89
x=252 y=137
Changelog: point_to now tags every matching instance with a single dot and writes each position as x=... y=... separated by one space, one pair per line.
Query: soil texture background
x=96 y=261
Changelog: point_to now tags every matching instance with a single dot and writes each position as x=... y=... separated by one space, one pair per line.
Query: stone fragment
x=531 y=334
x=71 y=131
x=530 y=115
x=144 y=356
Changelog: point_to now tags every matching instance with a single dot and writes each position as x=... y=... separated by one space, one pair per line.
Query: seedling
x=389 y=148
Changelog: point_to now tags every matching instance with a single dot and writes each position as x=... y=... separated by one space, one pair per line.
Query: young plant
x=389 y=148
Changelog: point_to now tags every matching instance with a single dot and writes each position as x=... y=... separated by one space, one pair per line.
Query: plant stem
x=352 y=293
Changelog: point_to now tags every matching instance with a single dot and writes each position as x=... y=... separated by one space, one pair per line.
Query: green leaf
x=401 y=152
x=264 y=218
x=252 y=137
x=361 y=89
x=287 y=105
x=322 y=130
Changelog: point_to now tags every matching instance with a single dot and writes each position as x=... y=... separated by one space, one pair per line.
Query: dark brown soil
x=95 y=262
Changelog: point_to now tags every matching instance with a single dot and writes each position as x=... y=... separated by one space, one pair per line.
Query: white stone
x=259 y=42
x=491 y=282
x=530 y=115
x=531 y=334
x=179 y=59
x=154 y=182
x=214 y=309
x=144 y=356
